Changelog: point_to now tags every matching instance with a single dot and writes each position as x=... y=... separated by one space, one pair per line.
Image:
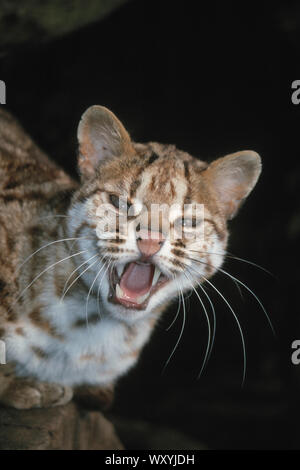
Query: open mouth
x=136 y=284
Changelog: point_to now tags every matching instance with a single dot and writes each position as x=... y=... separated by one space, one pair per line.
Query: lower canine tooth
x=119 y=292
x=142 y=298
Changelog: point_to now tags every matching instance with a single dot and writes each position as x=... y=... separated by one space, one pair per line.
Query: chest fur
x=56 y=345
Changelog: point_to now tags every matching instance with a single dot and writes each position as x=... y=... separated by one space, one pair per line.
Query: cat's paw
x=27 y=394
x=93 y=397
x=54 y=394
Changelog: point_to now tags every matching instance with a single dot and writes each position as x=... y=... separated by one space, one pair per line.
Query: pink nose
x=150 y=243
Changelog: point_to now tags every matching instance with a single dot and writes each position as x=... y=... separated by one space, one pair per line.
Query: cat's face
x=151 y=218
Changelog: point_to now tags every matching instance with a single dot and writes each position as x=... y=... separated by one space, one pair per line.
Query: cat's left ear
x=100 y=135
x=232 y=178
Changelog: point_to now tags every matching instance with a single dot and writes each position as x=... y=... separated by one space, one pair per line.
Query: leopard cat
x=78 y=298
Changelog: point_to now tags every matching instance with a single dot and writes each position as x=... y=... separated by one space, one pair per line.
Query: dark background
x=212 y=79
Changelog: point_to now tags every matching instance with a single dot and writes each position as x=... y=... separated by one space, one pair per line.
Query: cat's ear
x=233 y=177
x=100 y=135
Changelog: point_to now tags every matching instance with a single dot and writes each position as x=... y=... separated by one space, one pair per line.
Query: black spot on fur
x=179 y=243
x=186 y=170
x=2 y=285
x=153 y=158
x=177 y=252
x=11 y=185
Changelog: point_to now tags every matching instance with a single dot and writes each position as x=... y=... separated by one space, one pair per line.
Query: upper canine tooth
x=156 y=275
x=119 y=292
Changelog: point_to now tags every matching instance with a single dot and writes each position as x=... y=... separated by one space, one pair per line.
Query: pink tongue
x=137 y=280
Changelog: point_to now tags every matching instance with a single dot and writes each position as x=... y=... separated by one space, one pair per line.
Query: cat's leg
x=22 y=393
x=94 y=397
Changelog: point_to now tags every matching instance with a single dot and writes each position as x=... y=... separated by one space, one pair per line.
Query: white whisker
x=238 y=325
x=237 y=281
x=177 y=313
x=180 y=334
x=43 y=272
x=45 y=246
x=232 y=256
x=81 y=274
x=100 y=283
x=89 y=293
x=208 y=325
x=254 y=295
x=213 y=314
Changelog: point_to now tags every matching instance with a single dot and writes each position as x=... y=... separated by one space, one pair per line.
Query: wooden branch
x=62 y=428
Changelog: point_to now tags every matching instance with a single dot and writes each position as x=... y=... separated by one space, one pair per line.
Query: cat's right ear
x=100 y=135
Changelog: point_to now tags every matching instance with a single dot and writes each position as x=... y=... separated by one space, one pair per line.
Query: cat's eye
x=190 y=222
x=119 y=203
x=187 y=222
